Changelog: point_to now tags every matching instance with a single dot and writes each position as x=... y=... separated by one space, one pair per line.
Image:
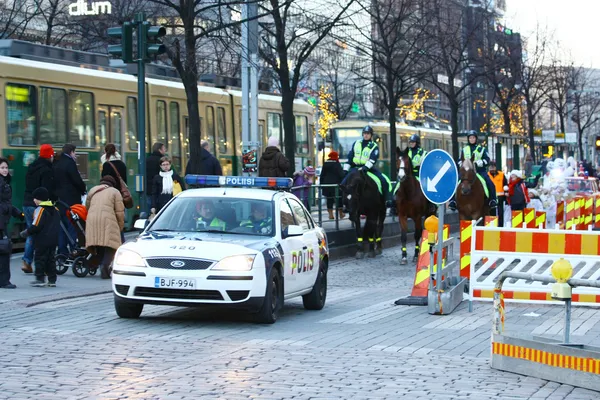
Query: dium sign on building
x=83 y=8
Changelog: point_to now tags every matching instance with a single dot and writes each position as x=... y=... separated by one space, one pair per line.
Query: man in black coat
x=153 y=168
x=69 y=189
x=208 y=165
x=39 y=174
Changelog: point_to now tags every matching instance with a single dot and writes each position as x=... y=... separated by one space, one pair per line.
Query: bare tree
x=534 y=80
x=15 y=16
x=584 y=102
x=502 y=63
x=54 y=14
x=291 y=31
x=398 y=45
x=454 y=33
x=342 y=83
x=560 y=75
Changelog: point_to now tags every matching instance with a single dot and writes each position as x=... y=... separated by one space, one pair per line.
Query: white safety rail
x=532 y=251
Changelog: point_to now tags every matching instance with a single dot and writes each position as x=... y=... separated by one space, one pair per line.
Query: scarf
x=114 y=157
x=167 y=183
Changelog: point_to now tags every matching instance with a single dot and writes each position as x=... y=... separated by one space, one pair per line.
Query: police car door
x=292 y=247
x=307 y=266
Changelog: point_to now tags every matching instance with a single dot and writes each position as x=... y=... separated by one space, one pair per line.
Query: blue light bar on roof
x=238 y=181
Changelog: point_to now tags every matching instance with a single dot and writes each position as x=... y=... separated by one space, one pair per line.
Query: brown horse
x=410 y=203
x=470 y=194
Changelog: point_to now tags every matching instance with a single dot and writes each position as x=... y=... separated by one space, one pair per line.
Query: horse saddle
x=379 y=183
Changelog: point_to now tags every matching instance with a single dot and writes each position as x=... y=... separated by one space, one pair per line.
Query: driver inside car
x=208 y=219
x=259 y=220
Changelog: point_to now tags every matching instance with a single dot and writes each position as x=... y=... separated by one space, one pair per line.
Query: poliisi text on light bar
x=238 y=181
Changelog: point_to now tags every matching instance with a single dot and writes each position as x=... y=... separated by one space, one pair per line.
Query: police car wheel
x=315 y=300
x=269 y=312
x=127 y=309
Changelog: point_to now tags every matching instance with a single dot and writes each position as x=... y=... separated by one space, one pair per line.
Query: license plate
x=175 y=283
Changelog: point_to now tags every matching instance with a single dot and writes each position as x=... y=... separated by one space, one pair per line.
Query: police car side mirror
x=140 y=224
x=294 y=230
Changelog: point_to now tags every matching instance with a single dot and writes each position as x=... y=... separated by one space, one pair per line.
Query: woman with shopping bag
x=166 y=185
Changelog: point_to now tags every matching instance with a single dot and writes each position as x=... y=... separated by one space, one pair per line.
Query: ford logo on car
x=177 y=264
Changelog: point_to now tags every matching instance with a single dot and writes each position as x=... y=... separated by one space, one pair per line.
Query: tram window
x=274 y=126
x=116 y=126
x=102 y=128
x=21 y=114
x=53 y=116
x=301 y=135
x=175 y=135
x=132 y=138
x=222 y=130
x=81 y=122
x=161 y=124
x=210 y=128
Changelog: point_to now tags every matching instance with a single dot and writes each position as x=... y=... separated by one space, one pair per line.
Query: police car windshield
x=216 y=215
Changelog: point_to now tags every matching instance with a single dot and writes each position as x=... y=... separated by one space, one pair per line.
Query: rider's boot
x=493 y=204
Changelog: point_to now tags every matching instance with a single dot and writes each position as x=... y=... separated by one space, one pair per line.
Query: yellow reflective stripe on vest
x=361 y=156
x=416 y=158
x=478 y=153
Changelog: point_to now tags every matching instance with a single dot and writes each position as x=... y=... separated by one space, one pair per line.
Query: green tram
x=90 y=105
x=345 y=133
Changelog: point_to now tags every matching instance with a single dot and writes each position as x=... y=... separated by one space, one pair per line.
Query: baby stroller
x=79 y=257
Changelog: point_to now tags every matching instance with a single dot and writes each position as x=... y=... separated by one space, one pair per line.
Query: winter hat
x=310 y=171
x=41 y=194
x=334 y=156
x=273 y=142
x=46 y=151
x=517 y=173
x=108 y=180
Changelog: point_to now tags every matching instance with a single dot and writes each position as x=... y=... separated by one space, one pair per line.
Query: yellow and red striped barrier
x=495 y=250
x=560 y=213
x=570 y=213
x=584 y=364
x=540 y=219
x=588 y=212
x=422 y=274
x=517 y=219
x=529 y=217
x=597 y=212
x=466 y=229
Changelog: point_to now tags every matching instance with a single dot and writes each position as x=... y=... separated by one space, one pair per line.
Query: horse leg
x=379 y=234
x=370 y=230
x=360 y=252
x=418 y=235
x=403 y=230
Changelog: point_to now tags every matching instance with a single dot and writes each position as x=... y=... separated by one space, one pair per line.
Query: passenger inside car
x=260 y=220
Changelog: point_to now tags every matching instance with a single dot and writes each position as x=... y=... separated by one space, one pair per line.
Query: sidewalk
x=67 y=286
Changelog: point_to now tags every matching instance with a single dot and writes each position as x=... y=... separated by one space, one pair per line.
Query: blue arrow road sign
x=439 y=176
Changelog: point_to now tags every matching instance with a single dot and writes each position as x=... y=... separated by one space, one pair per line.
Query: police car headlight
x=235 y=263
x=129 y=258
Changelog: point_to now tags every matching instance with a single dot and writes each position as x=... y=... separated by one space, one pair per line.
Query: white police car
x=240 y=247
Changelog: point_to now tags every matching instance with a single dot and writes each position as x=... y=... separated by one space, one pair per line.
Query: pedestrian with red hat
x=39 y=174
x=332 y=174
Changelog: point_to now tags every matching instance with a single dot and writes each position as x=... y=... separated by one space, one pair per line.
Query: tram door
x=111 y=127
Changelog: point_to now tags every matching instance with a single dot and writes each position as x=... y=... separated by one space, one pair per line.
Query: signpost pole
x=440 y=246
x=139 y=20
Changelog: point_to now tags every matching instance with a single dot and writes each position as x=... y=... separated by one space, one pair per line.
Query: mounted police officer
x=416 y=153
x=481 y=160
x=364 y=155
x=259 y=221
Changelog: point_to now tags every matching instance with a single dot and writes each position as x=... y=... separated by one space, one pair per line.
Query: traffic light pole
x=141 y=38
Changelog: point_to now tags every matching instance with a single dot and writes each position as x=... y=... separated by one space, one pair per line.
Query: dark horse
x=364 y=199
x=470 y=194
x=410 y=203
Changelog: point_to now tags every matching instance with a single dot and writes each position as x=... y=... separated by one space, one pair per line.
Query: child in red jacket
x=518 y=195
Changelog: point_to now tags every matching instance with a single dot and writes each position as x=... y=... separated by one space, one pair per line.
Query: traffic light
x=597 y=143
x=124 y=50
x=153 y=45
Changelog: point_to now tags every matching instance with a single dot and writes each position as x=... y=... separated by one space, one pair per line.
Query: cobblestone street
x=361 y=346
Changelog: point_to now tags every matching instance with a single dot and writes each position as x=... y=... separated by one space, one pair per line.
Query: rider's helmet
x=472 y=133
x=415 y=138
x=368 y=129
